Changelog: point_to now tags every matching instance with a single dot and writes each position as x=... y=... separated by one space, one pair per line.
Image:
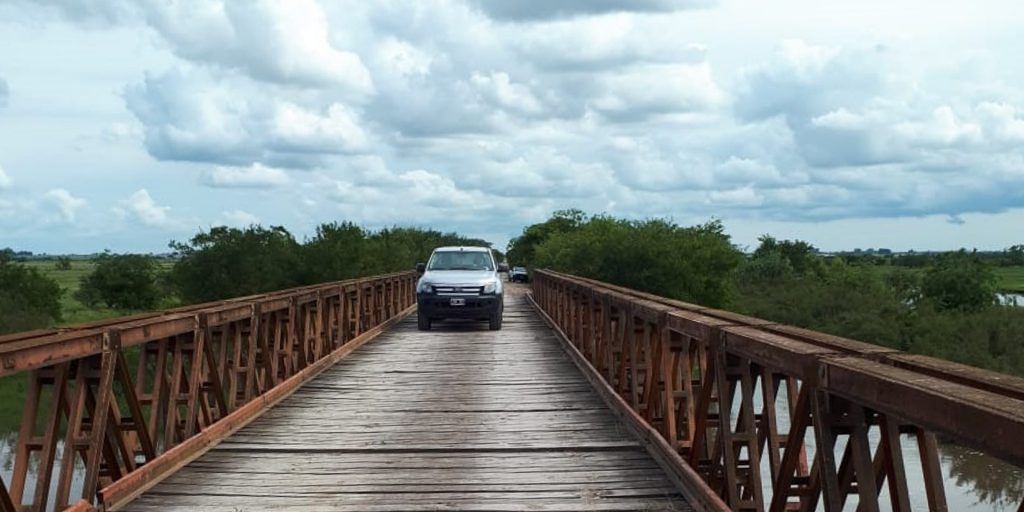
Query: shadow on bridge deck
x=459 y=418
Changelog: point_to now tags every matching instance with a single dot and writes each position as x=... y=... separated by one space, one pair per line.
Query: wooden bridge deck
x=459 y=418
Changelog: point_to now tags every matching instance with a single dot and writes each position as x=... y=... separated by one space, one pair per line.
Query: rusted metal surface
x=134 y=397
x=460 y=418
x=773 y=417
x=689 y=482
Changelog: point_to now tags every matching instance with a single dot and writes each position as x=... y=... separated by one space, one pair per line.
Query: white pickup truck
x=460 y=282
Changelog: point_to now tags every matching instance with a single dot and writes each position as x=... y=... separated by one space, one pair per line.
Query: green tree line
x=217 y=264
x=947 y=307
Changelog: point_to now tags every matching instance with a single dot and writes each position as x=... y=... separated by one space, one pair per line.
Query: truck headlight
x=424 y=287
x=490 y=287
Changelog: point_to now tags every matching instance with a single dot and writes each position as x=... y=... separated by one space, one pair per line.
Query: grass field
x=1011 y=279
x=75 y=312
x=12 y=389
x=1008 y=279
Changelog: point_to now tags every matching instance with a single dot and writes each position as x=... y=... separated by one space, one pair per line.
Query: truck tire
x=495 y=321
x=422 y=322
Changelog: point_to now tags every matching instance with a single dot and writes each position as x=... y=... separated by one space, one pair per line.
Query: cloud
x=277 y=41
x=5 y=180
x=498 y=88
x=533 y=10
x=253 y=176
x=641 y=92
x=238 y=218
x=65 y=203
x=283 y=41
x=191 y=116
x=294 y=129
x=141 y=207
x=805 y=80
x=493 y=113
x=89 y=12
x=601 y=43
x=5 y=91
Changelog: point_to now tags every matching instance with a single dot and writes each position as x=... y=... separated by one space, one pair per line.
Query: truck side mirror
x=421 y=267
x=502 y=267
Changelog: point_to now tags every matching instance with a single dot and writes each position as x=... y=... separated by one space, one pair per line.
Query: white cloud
x=193 y=116
x=296 y=129
x=1001 y=122
x=651 y=90
x=804 y=80
x=141 y=207
x=516 y=109
x=598 y=43
x=5 y=180
x=530 y=10
x=65 y=203
x=499 y=89
x=239 y=218
x=402 y=58
x=5 y=91
x=253 y=176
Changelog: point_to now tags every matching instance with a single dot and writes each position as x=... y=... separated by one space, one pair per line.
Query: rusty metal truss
x=746 y=414
x=135 y=398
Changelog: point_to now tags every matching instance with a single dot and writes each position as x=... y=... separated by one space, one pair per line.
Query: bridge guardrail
x=140 y=396
x=682 y=369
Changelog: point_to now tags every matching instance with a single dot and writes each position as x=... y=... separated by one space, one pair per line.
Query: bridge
x=593 y=397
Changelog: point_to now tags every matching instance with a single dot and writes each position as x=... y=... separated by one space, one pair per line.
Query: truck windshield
x=460 y=260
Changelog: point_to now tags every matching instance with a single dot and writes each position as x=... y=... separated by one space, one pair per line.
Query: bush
x=336 y=252
x=688 y=263
x=63 y=263
x=28 y=300
x=959 y=281
x=521 y=250
x=841 y=299
x=122 y=281
x=231 y=262
x=801 y=256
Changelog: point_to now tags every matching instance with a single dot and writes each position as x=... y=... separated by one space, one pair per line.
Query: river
x=975 y=482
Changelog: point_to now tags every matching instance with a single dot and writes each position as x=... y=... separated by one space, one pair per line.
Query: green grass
x=1008 y=279
x=1011 y=279
x=73 y=311
x=12 y=388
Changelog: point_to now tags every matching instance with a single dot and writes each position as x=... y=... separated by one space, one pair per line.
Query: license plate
x=457 y=302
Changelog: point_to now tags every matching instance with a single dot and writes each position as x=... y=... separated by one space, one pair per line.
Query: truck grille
x=458 y=290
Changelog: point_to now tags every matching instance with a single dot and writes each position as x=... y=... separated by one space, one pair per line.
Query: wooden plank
x=459 y=418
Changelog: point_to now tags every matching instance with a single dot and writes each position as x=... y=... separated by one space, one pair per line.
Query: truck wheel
x=495 y=321
x=423 y=322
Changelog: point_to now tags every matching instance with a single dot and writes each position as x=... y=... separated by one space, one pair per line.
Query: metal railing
x=135 y=398
x=705 y=385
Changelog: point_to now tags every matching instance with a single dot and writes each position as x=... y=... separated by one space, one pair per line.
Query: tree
x=1015 y=255
x=521 y=250
x=802 y=256
x=959 y=281
x=688 y=263
x=230 y=262
x=63 y=263
x=122 y=281
x=28 y=299
x=336 y=252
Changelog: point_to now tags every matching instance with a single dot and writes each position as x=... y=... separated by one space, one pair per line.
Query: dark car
x=518 y=275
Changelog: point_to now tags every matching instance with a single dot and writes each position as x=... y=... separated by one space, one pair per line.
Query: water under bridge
x=592 y=397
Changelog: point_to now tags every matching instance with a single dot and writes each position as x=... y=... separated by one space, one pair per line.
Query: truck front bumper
x=479 y=307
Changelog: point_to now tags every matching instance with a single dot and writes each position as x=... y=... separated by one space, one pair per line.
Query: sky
x=125 y=124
